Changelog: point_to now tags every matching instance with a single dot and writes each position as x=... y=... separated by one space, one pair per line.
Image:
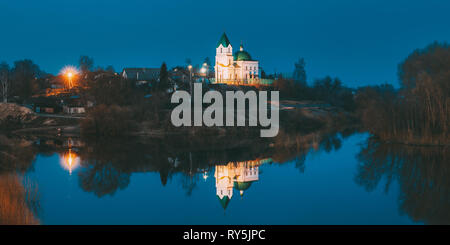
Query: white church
x=238 y=68
x=236 y=175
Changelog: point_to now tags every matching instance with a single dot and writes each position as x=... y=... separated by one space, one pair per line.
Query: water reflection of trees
x=16 y=154
x=295 y=147
x=107 y=166
x=422 y=173
x=19 y=196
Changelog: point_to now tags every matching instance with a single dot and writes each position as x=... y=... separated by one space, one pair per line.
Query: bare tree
x=4 y=75
x=86 y=63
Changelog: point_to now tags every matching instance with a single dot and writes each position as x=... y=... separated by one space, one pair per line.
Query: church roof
x=224 y=41
x=242 y=55
x=224 y=201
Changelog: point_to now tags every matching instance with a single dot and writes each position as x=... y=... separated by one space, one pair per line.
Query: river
x=342 y=179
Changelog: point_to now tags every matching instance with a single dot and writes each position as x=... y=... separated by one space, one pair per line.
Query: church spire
x=224 y=41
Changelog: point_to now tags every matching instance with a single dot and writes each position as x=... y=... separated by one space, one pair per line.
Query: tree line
x=418 y=112
x=23 y=79
x=327 y=89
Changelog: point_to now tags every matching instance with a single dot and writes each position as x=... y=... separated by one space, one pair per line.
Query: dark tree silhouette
x=300 y=72
x=420 y=111
x=4 y=81
x=164 y=82
x=86 y=63
x=24 y=76
x=420 y=171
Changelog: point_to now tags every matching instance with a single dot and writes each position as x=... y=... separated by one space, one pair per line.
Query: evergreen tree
x=299 y=72
x=164 y=77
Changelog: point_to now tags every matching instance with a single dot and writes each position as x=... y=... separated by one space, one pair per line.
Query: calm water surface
x=342 y=180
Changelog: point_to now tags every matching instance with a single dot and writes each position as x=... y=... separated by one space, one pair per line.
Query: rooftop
x=224 y=41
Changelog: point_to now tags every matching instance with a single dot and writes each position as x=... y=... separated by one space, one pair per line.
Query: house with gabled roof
x=141 y=75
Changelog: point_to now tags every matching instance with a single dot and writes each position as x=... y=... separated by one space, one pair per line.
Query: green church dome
x=242 y=55
x=242 y=186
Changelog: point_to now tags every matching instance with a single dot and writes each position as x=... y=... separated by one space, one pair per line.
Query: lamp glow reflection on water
x=70 y=161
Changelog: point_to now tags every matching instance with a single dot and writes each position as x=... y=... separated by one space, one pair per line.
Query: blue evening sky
x=361 y=42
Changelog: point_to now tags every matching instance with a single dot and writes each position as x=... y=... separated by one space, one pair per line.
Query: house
x=48 y=105
x=179 y=74
x=141 y=75
x=74 y=109
x=73 y=105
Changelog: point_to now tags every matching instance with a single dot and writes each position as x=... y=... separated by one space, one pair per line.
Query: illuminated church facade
x=236 y=176
x=237 y=68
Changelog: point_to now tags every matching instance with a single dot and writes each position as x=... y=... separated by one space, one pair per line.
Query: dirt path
x=56 y=129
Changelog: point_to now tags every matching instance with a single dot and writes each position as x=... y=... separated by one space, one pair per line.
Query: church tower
x=224 y=59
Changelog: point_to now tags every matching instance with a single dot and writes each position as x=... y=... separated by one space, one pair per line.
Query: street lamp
x=69 y=72
x=203 y=71
x=190 y=78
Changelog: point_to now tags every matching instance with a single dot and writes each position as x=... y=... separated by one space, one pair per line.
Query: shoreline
x=303 y=120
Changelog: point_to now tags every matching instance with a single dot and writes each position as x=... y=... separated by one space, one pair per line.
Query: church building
x=238 y=176
x=238 y=68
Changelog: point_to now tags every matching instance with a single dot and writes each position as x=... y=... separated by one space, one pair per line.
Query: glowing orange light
x=69 y=72
x=70 y=161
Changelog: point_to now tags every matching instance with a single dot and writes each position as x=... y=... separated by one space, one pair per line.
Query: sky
x=361 y=42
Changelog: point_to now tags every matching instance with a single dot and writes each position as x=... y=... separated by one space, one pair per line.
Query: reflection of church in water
x=236 y=175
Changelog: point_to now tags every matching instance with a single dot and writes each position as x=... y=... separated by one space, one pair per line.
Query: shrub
x=108 y=121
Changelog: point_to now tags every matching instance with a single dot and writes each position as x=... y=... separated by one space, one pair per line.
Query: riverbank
x=302 y=125
x=20 y=120
x=296 y=118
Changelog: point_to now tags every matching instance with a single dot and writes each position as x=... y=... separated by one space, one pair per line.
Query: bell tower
x=224 y=58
